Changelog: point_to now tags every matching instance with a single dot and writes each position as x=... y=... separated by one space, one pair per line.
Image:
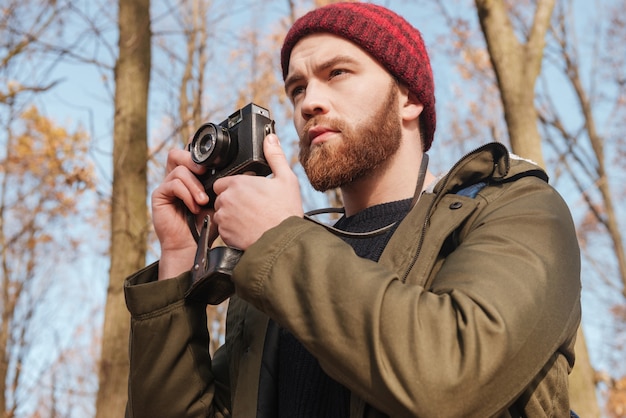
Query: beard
x=362 y=149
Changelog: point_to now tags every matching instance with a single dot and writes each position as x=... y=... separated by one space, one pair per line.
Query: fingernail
x=272 y=139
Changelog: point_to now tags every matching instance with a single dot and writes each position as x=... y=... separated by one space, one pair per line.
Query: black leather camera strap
x=212 y=268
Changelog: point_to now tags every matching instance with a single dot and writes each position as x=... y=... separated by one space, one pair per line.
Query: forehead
x=318 y=48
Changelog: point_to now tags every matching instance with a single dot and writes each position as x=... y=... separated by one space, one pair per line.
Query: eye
x=337 y=72
x=296 y=91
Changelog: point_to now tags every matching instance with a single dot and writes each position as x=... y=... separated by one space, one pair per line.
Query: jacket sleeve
x=499 y=307
x=171 y=371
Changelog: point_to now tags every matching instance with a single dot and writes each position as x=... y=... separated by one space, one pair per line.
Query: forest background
x=78 y=165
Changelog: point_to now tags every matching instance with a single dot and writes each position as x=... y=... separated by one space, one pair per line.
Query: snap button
x=456 y=205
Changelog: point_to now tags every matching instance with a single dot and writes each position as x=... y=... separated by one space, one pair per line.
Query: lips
x=317 y=134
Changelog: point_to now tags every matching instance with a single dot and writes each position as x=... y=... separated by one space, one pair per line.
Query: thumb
x=275 y=156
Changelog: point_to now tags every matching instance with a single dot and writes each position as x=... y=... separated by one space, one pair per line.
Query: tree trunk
x=582 y=389
x=129 y=214
x=517 y=67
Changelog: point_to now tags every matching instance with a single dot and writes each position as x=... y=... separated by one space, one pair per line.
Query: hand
x=247 y=206
x=179 y=191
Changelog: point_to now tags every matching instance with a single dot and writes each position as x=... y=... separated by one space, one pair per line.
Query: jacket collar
x=490 y=162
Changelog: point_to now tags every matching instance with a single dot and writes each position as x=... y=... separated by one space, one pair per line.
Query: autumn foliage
x=44 y=171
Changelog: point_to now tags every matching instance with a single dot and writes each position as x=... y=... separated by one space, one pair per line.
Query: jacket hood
x=490 y=163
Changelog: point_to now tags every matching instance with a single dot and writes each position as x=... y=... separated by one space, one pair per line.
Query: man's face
x=346 y=110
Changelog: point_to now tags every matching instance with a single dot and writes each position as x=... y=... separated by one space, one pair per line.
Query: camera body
x=234 y=146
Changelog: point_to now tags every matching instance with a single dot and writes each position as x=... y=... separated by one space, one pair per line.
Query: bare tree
x=194 y=18
x=45 y=172
x=517 y=66
x=582 y=148
x=129 y=215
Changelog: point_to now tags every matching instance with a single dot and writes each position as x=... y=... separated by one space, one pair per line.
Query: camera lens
x=206 y=144
x=211 y=146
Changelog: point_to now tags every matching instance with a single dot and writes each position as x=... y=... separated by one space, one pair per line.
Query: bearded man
x=449 y=297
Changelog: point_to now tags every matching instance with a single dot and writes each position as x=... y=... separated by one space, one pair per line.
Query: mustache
x=326 y=121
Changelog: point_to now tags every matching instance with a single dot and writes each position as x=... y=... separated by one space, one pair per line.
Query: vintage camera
x=234 y=146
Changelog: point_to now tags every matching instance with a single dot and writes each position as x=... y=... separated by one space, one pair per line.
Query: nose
x=315 y=101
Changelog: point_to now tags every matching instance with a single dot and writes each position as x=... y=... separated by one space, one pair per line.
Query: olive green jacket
x=471 y=311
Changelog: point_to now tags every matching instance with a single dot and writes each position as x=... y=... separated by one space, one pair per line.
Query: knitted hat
x=383 y=34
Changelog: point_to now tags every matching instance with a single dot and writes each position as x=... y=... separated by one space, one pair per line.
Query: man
x=460 y=298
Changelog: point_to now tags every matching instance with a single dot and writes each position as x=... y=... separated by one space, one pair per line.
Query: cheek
x=298 y=121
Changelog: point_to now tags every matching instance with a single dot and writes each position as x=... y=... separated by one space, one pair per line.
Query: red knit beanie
x=387 y=37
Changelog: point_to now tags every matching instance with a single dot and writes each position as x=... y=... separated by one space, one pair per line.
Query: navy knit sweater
x=304 y=390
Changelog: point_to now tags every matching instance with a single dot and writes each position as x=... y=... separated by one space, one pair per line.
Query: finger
x=173 y=193
x=275 y=156
x=182 y=157
x=182 y=184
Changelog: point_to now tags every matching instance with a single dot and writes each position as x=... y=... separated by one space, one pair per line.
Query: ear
x=410 y=106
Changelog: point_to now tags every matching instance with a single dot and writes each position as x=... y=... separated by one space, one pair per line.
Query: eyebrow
x=338 y=59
